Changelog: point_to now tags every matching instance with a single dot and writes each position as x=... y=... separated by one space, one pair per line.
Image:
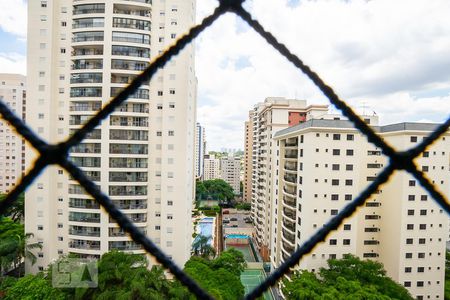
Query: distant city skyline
x=407 y=79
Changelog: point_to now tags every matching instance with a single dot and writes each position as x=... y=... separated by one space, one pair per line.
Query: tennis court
x=245 y=250
x=251 y=278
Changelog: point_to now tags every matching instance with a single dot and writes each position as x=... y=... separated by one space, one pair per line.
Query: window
x=350 y=137
x=336 y=152
x=410 y=212
x=421 y=255
x=411 y=197
x=426 y=154
x=348 y=197
x=408 y=270
x=169 y=203
x=334 y=212
x=423 y=226
x=334 y=197
x=172 y=91
x=423 y=198
x=347 y=226
x=335 y=182
x=335 y=167
x=336 y=136
x=410 y=226
x=333 y=242
x=421 y=241
x=425 y=168
x=407 y=283
x=159 y=133
x=40 y=227
x=346 y=242
x=349 y=152
x=348 y=182
x=43 y=4
x=413 y=139
x=420 y=269
x=171 y=133
x=171 y=104
x=423 y=212
x=408 y=255
x=419 y=283
x=409 y=241
x=157 y=227
x=412 y=183
x=349 y=167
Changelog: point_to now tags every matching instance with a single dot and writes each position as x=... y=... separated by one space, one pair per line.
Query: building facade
x=80 y=54
x=325 y=163
x=230 y=168
x=200 y=150
x=268 y=117
x=12 y=146
x=248 y=159
x=211 y=167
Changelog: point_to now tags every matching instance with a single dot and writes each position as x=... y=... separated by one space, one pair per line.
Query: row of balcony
x=95 y=232
x=121 y=204
x=95 y=245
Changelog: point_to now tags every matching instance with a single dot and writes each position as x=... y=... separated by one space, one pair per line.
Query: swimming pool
x=205 y=228
x=236 y=236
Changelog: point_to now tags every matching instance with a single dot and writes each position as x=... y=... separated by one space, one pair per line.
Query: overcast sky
x=391 y=57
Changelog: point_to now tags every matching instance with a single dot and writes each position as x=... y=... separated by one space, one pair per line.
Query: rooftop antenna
x=364 y=106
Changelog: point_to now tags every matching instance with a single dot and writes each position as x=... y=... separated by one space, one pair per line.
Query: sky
x=386 y=57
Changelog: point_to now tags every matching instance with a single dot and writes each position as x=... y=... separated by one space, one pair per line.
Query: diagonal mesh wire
x=58 y=154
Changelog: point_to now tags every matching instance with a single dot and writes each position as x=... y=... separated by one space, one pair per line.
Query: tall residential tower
x=80 y=54
x=12 y=146
x=200 y=150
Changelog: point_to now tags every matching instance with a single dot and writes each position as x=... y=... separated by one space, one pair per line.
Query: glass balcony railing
x=82 y=244
x=84 y=217
x=119 y=162
x=124 y=245
x=84 y=231
x=83 y=203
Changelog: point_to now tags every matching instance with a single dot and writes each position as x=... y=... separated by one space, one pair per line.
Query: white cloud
x=13 y=17
x=380 y=52
x=13 y=63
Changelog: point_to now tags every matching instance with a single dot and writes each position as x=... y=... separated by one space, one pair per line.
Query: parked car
x=233 y=219
x=225 y=212
x=226 y=220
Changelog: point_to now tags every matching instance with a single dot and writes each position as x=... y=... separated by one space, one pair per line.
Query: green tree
x=17 y=210
x=347 y=278
x=14 y=245
x=215 y=189
x=244 y=206
x=33 y=287
x=201 y=246
x=217 y=276
x=447 y=275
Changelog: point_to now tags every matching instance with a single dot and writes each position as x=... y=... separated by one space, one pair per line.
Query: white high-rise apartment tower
x=268 y=117
x=324 y=164
x=200 y=150
x=80 y=54
x=12 y=146
x=230 y=168
x=211 y=167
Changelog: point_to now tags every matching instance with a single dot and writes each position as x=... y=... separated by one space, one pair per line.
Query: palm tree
x=24 y=249
x=201 y=246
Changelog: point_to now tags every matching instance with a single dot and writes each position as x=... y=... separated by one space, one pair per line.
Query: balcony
x=292 y=142
x=89 y=9
x=289 y=213
x=131 y=65
x=128 y=135
x=139 y=94
x=87 y=64
x=130 y=204
x=128 y=121
x=86 y=92
x=124 y=246
x=87 y=162
x=84 y=231
x=131 y=24
x=289 y=225
x=135 y=218
x=128 y=176
x=291 y=166
x=86 y=78
x=82 y=51
x=127 y=37
x=84 y=217
x=290 y=202
x=133 y=108
x=291 y=154
x=132 y=10
x=130 y=51
x=82 y=244
x=119 y=232
x=128 y=190
x=91 y=36
x=85 y=106
x=83 y=203
x=119 y=162
x=288 y=236
x=290 y=191
x=88 y=23
x=91 y=175
x=290 y=178
x=86 y=148
x=288 y=248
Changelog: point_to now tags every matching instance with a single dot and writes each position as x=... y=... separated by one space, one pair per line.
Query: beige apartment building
x=323 y=164
x=248 y=159
x=230 y=169
x=12 y=146
x=200 y=150
x=80 y=54
x=211 y=167
x=268 y=117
